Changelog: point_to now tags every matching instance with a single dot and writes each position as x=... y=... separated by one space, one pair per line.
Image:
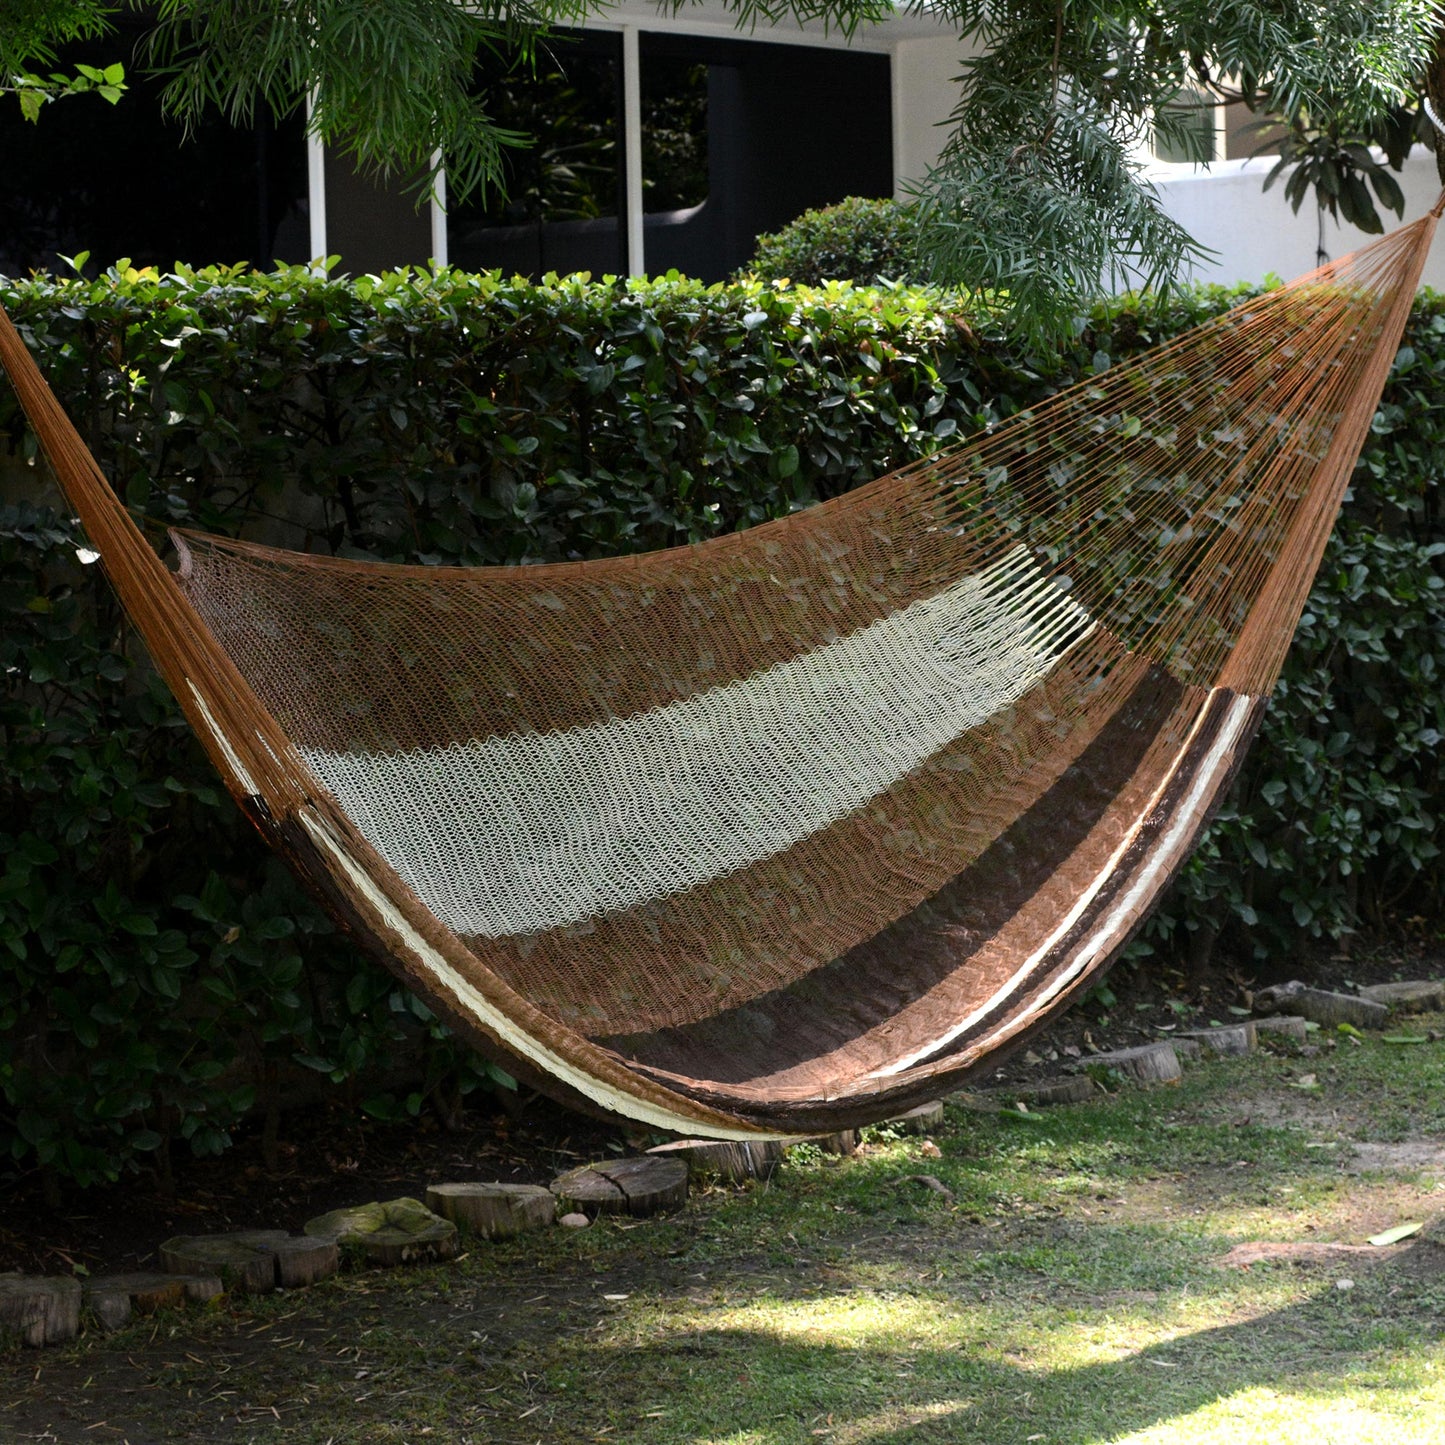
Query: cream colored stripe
x=516 y=834
x=471 y=1003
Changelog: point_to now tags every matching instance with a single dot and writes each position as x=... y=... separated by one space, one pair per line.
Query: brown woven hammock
x=789 y=830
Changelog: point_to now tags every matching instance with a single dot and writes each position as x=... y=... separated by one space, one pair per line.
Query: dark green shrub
x=159 y=975
x=866 y=242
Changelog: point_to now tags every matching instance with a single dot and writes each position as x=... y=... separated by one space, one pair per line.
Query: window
x=122 y=181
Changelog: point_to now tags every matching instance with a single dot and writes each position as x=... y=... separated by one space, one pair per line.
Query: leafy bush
x=160 y=975
x=866 y=242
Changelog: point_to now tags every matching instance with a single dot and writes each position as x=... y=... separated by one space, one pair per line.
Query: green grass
x=1071 y=1293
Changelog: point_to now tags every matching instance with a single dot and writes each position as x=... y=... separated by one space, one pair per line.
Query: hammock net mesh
x=784 y=830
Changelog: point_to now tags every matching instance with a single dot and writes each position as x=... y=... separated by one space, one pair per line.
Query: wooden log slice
x=1074 y=1089
x=1329 y=1010
x=1293 y=1027
x=639 y=1186
x=113 y=1298
x=39 y=1309
x=1420 y=996
x=1146 y=1064
x=244 y=1261
x=302 y=1259
x=730 y=1161
x=843 y=1144
x=494 y=1211
x=1225 y=1039
x=397 y=1231
x=922 y=1120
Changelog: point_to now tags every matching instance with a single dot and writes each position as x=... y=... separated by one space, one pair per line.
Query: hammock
x=793 y=829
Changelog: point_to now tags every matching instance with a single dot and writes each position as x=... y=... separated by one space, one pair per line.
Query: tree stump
x=302 y=1259
x=113 y=1298
x=244 y=1261
x=1326 y=1009
x=1294 y=1027
x=494 y=1211
x=1189 y=1050
x=1225 y=1039
x=842 y=1144
x=922 y=1120
x=1421 y=996
x=730 y=1161
x=399 y=1231
x=1071 y=1090
x=1146 y=1064
x=39 y=1309
x=640 y=1186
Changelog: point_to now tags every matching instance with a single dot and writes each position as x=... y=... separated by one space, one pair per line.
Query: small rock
x=574 y=1221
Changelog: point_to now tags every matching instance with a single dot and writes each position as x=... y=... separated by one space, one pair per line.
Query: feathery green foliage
x=1040 y=198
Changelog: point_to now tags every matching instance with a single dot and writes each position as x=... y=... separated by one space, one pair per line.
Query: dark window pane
x=777 y=129
x=564 y=192
x=120 y=181
x=674 y=133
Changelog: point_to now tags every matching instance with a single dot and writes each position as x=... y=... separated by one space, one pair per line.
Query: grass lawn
x=1078 y=1288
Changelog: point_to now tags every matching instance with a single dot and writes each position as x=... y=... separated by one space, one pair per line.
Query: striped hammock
x=793 y=829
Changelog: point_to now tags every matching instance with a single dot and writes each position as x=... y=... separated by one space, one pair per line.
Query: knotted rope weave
x=791 y=829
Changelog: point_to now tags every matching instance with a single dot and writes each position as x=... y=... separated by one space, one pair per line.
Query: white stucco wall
x=925 y=90
x=1255 y=233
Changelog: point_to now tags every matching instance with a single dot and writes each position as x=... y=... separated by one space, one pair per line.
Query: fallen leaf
x=1399 y=1232
x=1306 y=1081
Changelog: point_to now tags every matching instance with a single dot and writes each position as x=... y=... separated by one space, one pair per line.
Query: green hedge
x=159 y=975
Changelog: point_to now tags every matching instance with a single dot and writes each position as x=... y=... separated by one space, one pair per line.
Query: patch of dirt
x=1408 y=1157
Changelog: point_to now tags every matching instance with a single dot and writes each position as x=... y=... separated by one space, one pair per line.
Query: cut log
x=1293 y=1027
x=39 y=1309
x=113 y=1298
x=640 y=1186
x=398 y=1231
x=245 y=1261
x=1186 y=1048
x=727 y=1160
x=494 y=1211
x=1326 y=1009
x=302 y=1259
x=1421 y=996
x=1071 y=1090
x=1225 y=1039
x=842 y=1144
x=922 y=1120
x=1146 y=1064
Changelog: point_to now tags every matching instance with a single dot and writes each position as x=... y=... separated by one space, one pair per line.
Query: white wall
x=1254 y=232
x=925 y=90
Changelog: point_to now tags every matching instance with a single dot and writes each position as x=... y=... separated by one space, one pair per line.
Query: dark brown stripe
x=857 y=993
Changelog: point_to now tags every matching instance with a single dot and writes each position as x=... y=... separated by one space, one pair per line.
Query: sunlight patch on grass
x=1347 y=1415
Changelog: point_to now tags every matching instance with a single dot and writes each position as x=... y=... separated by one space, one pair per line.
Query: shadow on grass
x=1327 y=1355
